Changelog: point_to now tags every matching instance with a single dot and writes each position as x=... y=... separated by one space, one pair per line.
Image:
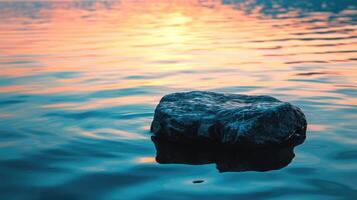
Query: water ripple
x=79 y=81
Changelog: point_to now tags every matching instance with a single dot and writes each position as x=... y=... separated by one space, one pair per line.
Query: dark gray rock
x=229 y=119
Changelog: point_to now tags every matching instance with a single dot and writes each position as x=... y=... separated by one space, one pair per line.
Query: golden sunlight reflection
x=102 y=103
x=104 y=133
x=145 y=160
x=178 y=45
x=317 y=127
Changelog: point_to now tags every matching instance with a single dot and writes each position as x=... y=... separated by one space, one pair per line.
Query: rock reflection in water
x=226 y=159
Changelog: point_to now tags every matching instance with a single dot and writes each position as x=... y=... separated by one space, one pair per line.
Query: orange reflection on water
x=180 y=44
x=104 y=133
x=146 y=160
x=102 y=103
x=17 y=88
x=317 y=127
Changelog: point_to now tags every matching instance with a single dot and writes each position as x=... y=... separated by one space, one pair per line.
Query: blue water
x=79 y=82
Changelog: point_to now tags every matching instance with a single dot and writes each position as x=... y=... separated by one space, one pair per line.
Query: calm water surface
x=79 y=81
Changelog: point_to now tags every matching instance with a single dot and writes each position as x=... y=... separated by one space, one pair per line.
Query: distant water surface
x=79 y=82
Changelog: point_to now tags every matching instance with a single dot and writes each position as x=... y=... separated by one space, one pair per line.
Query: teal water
x=79 y=82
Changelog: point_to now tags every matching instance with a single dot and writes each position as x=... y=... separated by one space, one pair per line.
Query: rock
x=226 y=159
x=229 y=119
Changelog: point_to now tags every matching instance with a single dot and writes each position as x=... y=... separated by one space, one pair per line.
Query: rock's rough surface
x=229 y=119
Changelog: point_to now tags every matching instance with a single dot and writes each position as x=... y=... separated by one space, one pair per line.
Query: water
x=79 y=81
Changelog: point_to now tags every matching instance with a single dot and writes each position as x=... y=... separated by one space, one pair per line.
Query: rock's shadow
x=226 y=159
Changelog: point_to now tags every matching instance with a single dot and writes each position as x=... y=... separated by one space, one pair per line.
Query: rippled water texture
x=79 y=81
